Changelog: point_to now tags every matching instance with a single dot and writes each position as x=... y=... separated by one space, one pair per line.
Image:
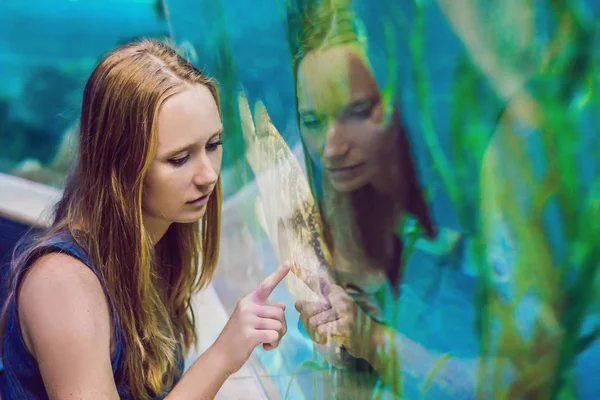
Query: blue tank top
x=20 y=377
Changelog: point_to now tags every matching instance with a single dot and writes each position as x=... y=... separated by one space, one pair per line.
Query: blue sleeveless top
x=20 y=377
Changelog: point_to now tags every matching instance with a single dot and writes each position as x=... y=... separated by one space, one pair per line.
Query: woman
x=100 y=306
x=387 y=297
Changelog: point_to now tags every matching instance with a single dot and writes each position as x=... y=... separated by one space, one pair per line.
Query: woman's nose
x=336 y=145
x=206 y=174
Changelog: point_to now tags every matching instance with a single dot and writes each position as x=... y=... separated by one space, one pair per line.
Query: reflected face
x=341 y=116
x=187 y=162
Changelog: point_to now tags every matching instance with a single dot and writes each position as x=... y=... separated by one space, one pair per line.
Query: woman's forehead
x=187 y=117
x=332 y=77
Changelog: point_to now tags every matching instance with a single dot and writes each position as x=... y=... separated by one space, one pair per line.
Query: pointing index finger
x=264 y=290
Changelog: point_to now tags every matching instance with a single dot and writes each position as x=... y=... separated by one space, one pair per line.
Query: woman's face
x=187 y=162
x=341 y=116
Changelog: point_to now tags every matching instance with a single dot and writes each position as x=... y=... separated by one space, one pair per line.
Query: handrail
x=26 y=201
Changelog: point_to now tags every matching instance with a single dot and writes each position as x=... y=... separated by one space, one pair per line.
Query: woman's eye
x=312 y=123
x=214 y=145
x=361 y=109
x=179 y=160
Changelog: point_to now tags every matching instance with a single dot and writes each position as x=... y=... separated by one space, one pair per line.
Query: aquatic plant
x=543 y=122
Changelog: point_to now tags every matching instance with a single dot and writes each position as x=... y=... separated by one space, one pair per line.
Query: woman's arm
x=251 y=323
x=66 y=325
x=204 y=378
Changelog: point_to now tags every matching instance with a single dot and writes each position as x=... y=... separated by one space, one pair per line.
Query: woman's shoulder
x=60 y=301
x=65 y=325
x=59 y=270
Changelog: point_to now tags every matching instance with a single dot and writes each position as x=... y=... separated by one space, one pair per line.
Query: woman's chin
x=191 y=217
x=346 y=186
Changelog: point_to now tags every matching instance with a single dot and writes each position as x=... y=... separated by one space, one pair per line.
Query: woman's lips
x=344 y=173
x=200 y=201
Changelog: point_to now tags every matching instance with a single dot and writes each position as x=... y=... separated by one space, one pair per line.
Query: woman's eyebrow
x=370 y=101
x=308 y=113
x=191 y=145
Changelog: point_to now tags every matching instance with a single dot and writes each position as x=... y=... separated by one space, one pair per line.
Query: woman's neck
x=155 y=227
x=390 y=179
x=375 y=215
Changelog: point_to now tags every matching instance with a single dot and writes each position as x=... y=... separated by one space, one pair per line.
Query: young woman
x=100 y=305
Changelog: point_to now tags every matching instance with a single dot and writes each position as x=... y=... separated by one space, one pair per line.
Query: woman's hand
x=253 y=322
x=335 y=316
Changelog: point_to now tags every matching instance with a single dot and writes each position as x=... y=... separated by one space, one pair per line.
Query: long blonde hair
x=150 y=286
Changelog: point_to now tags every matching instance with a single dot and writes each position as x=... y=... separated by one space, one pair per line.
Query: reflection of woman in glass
x=366 y=162
x=100 y=306
x=369 y=193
